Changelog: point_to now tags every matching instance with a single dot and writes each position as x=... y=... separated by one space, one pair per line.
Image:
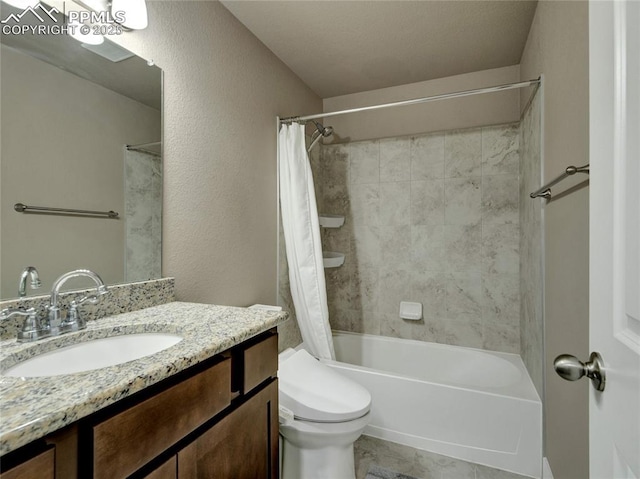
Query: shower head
x=324 y=131
x=321 y=131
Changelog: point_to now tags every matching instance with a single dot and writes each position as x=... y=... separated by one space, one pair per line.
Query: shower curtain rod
x=444 y=96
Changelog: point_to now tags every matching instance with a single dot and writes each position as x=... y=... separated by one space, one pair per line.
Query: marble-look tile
x=395 y=160
x=462 y=198
x=395 y=327
x=395 y=286
x=531 y=281
x=501 y=298
x=395 y=203
x=336 y=200
x=463 y=294
x=354 y=321
x=395 y=247
x=289 y=335
x=463 y=153
x=366 y=289
x=501 y=248
x=364 y=162
x=365 y=246
x=463 y=247
x=500 y=155
x=427 y=202
x=338 y=282
x=364 y=202
x=337 y=239
x=427 y=157
x=465 y=330
x=429 y=288
x=500 y=337
x=143 y=216
x=500 y=199
x=335 y=164
x=428 y=248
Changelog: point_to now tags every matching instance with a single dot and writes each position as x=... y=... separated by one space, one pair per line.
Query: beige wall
x=467 y=112
x=62 y=146
x=222 y=91
x=558 y=47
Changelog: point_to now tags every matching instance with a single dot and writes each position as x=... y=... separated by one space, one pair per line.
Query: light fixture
x=22 y=4
x=78 y=31
x=135 y=13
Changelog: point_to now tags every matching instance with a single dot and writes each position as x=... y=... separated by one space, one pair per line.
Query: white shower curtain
x=302 y=240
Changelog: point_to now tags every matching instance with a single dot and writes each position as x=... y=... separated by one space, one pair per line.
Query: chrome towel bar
x=21 y=208
x=545 y=191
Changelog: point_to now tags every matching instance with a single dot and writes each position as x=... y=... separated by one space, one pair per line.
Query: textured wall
x=433 y=219
x=222 y=92
x=531 y=248
x=467 y=112
x=62 y=146
x=558 y=47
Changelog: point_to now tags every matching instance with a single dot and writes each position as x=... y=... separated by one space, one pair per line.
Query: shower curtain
x=302 y=240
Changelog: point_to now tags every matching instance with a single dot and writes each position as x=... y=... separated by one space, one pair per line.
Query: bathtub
x=478 y=406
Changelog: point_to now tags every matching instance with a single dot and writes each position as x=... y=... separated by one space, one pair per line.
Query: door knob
x=571 y=368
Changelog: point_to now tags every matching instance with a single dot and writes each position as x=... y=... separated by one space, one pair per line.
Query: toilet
x=322 y=413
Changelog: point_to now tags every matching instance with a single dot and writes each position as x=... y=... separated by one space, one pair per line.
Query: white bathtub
x=475 y=405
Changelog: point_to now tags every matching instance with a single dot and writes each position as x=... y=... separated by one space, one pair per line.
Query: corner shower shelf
x=331 y=221
x=332 y=259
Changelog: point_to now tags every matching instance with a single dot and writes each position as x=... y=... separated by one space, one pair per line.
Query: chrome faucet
x=32 y=328
x=73 y=322
x=35 y=280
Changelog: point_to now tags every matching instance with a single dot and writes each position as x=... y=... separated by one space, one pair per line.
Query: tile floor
x=408 y=461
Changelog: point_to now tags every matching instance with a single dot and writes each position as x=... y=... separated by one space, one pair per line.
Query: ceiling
x=343 y=47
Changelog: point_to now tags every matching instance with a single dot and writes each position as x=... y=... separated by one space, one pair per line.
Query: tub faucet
x=73 y=322
x=35 y=280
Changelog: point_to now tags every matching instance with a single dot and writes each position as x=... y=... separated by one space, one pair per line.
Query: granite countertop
x=31 y=408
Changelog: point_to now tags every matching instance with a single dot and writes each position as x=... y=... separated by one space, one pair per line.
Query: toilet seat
x=315 y=392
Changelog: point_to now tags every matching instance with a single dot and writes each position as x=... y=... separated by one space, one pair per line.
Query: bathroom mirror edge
x=29 y=229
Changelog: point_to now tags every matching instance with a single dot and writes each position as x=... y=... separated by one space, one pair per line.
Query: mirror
x=67 y=115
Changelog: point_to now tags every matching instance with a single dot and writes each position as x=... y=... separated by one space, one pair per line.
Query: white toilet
x=324 y=414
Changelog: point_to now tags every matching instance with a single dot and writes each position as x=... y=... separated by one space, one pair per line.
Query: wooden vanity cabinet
x=221 y=422
x=218 y=419
x=243 y=445
x=41 y=466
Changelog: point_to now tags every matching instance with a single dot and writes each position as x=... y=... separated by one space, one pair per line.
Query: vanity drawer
x=38 y=467
x=130 y=439
x=260 y=362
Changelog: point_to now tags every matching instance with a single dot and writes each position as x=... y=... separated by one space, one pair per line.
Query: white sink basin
x=94 y=354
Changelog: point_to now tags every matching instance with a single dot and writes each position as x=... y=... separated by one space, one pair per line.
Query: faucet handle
x=32 y=329
x=73 y=321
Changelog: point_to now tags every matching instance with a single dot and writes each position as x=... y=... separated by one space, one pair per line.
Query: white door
x=614 y=82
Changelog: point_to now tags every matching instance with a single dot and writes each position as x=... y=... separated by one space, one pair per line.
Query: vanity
x=205 y=407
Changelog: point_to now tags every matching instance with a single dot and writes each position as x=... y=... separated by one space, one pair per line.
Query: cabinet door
x=244 y=445
x=167 y=470
x=38 y=467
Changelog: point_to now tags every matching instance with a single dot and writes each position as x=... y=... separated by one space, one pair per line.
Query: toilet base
x=320 y=450
x=331 y=462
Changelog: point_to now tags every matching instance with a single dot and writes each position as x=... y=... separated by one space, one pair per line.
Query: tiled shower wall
x=431 y=218
x=531 y=273
x=143 y=214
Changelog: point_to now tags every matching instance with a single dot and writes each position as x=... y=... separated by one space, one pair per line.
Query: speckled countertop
x=31 y=408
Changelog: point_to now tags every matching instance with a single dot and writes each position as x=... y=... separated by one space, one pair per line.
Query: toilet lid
x=315 y=392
